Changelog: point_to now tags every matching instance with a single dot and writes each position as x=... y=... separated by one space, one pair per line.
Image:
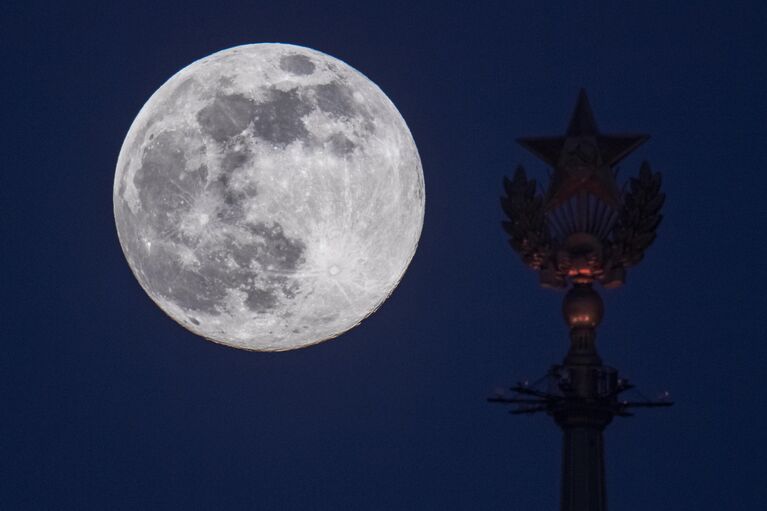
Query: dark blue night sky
x=109 y=405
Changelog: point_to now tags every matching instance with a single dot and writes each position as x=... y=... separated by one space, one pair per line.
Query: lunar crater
x=279 y=119
x=297 y=64
x=226 y=116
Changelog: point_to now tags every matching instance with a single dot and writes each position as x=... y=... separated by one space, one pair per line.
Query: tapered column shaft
x=583 y=470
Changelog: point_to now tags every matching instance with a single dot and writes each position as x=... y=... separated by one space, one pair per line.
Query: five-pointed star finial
x=583 y=159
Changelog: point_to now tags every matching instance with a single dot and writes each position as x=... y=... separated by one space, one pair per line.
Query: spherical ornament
x=269 y=197
x=583 y=307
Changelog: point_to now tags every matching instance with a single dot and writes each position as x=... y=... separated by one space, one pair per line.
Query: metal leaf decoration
x=639 y=219
x=527 y=228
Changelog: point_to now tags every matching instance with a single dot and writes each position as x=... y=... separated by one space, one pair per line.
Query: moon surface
x=269 y=197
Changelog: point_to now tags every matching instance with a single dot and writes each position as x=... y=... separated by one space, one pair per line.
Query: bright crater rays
x=269 y=197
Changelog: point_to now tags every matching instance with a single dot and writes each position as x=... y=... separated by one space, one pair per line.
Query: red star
x=583 y=159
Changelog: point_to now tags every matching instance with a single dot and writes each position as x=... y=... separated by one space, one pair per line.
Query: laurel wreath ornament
x=527 y=228
x=638 y=221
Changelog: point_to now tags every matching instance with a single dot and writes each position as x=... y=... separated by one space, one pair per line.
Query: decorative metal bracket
x=560 y=396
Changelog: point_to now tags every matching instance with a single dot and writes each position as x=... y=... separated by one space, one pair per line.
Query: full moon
x=268 y=197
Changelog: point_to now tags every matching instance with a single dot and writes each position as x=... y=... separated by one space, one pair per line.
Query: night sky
x=108 y=404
